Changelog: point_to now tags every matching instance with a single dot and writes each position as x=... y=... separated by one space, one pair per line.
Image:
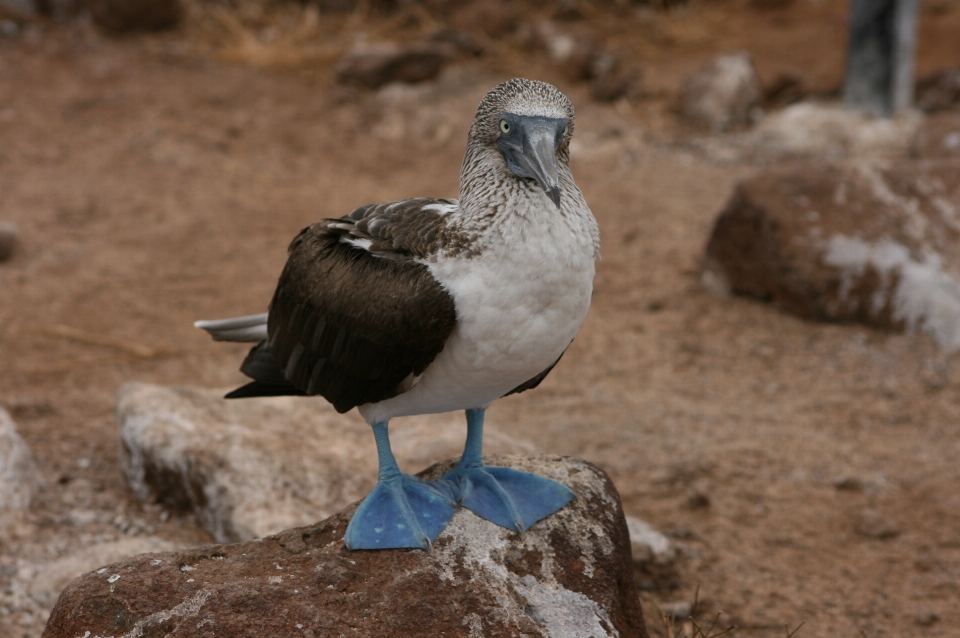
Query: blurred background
x=768 y=371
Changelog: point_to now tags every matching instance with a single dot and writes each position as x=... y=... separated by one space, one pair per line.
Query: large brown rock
x=847 y=242
x=570 y=575
x=252 y=467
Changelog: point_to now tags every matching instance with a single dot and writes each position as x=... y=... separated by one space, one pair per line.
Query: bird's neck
x=495 y=204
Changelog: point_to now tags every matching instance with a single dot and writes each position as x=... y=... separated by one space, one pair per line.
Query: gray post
x=880 y=55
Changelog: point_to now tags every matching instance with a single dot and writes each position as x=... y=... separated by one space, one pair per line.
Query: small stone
x=786 y=88
x=679 y=610
x=20 y=479
x=568 y=575
x=654 y=557
x=462 y=41
x=723 y=94
x=19 y=9
x=938 y=136
x=939 y=91
x=9 y=238
x=136 y=15
x=698 y=499
x=925 y=617
x=874 y=525
x=493 y=18
x=611 y=86
x=373 y=66
x=848 y=483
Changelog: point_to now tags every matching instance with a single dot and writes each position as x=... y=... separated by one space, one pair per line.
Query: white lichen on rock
x=918 y=291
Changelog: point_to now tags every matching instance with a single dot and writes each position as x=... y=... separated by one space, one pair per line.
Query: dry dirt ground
x=155 y=183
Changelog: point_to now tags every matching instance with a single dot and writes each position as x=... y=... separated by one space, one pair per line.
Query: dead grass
x=272 y=36
x=704 y=627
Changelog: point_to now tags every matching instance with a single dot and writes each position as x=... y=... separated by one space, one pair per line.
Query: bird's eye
x=505 y=126
x=565 y=129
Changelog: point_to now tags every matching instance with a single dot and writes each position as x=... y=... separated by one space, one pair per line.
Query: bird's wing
x=355 y=314
x=400 y=230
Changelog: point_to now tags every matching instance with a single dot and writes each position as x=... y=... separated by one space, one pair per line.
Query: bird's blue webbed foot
x=401 y=512
x=510 y=498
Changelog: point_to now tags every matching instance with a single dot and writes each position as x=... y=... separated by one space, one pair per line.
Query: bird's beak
x=532 y=152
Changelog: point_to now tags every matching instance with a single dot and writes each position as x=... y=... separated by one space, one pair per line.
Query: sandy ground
x=155 y=183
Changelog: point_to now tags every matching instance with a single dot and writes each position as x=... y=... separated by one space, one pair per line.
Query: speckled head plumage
x=521 y=134
x=520 y=96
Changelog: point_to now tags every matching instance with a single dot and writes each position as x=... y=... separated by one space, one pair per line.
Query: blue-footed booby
x=430 y=305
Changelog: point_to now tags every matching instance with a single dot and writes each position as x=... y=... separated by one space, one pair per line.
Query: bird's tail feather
x=248 y=328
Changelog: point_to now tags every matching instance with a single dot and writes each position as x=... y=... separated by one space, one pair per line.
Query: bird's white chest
x=519 y=304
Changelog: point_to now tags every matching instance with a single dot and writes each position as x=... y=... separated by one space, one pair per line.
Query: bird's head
x=530 y=124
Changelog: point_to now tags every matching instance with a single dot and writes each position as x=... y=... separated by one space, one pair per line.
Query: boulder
x=723 y=94
x=567 y=576
x=373 y=66
x=847 y=242
x=19 y=477
x=253 y=467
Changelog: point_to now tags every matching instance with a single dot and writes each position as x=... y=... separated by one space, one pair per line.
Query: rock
x=848 y=483
x=253 y=467
x=18 y=9
x=847 y=242
x=373 y=66
x=61 y=10
x=786 y=89
x=19 y=477
x=575 y=52
x=461 y=41
x=827 y=130
x=938 y=136
x=582 y=60
x=925 y=617
x=569 y=575
x=939 y=91
x=873 y=525
x=9 y=238
x=654 y=557
x=723 y=94
x=45 y=581
x=679 y=610
x=493 y=18
x=136 y=15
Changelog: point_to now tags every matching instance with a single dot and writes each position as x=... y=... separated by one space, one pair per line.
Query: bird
x=430 y=305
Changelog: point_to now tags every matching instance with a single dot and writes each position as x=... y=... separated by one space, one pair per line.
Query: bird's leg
x=401 y=511
x=510 y=498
